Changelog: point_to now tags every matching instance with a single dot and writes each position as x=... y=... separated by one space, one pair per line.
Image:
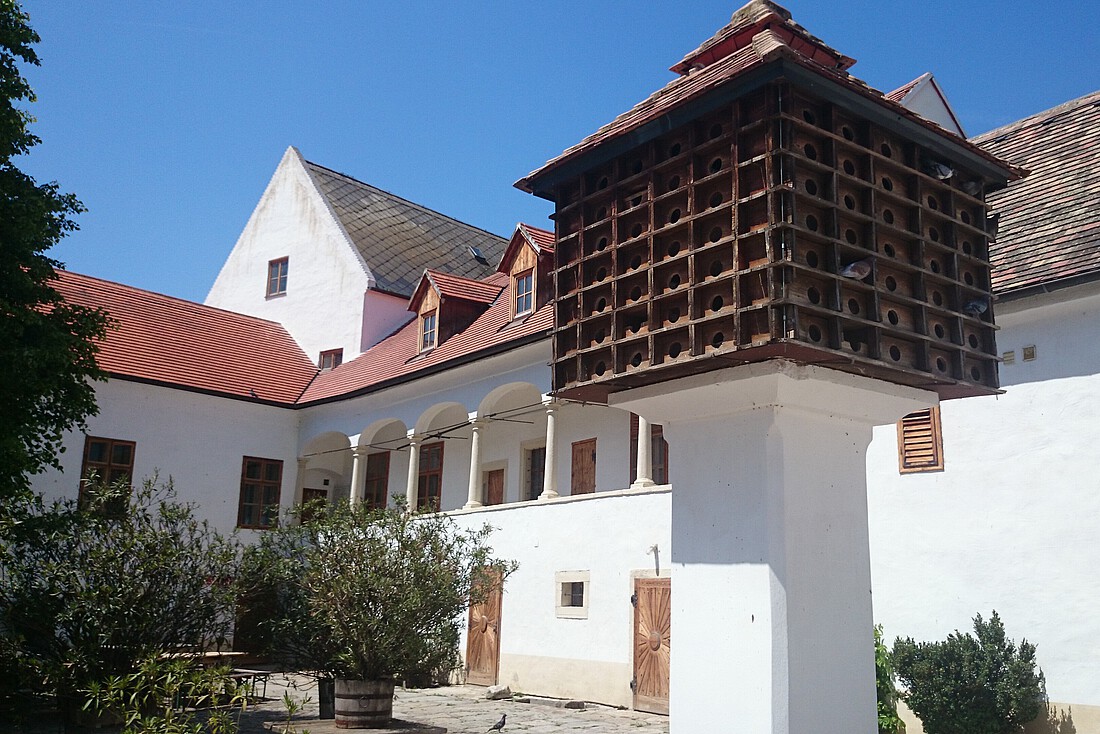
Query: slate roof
x=165 y=340
x=399 y=239
x=1049 y=228
x=762 y=34
x=397 y=356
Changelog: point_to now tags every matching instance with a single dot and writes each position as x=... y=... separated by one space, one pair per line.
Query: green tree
x=972 y=684
x=47 y=346
x=888 y=720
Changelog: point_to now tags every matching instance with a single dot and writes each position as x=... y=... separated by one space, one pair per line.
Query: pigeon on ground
x=499 y=725
x=858 y=270
x=938 y=170
x=976 y=307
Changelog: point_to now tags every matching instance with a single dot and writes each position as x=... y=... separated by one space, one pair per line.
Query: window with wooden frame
x=276 y=276
x=920 y=442
x=429 y=330
x=261 y=482
x=377 y=480
x=658 y=452
x=107 y=460
x=430 y=483
x=330 y=359
x=524 y=289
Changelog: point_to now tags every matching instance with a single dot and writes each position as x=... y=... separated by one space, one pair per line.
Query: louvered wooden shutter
x=920 y=442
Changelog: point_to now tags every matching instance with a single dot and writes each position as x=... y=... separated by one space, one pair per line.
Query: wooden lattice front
x=779 y=225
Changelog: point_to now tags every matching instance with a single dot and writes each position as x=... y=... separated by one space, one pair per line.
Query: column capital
x=357 y=451
x=303 y=461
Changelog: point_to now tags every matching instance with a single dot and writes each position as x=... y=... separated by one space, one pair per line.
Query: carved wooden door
x=652 y=641
x=483 y=638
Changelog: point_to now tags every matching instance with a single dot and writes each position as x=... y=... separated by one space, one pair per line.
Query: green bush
x=369 y=594
x=89 y=592
x=888 y=720
x=971 y=684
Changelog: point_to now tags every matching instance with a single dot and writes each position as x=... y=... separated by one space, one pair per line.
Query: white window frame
x=561 y=578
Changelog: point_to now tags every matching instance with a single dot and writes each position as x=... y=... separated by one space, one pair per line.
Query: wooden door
x=584 y=467
x=483 y=637
x=309 y=494
x=494 y=487
x=652 y=640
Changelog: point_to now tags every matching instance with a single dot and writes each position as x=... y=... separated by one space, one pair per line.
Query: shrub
x=86 y=593
x=888 y=720
x=369 y=594
x=971 y=684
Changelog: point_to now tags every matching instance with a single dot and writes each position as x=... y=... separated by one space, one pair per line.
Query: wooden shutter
x=920 y=442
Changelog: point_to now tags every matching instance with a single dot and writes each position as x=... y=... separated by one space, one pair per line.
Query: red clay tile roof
x=772 y=41
x=899 y=94
x=398 y=356
x=453 y=286
x=1050 y=221
x=542 y=239
x=170 y=341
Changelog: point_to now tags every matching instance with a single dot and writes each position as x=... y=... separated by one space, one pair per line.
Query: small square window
x=276 y=276
x=572 y=594
x=428 y=331
x=330 y=359
x=525 y=292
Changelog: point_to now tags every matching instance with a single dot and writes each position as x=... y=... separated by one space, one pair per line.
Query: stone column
x=414 y=471
x=355 y=493
x=474 y=495
x=644 y=471
x=300 y=480
x=771 y=604
x=549 y=475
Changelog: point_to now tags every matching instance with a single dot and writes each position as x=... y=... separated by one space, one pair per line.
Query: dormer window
x=330 y=359
x=276 y=276
x=429 y=331
x=524 y=288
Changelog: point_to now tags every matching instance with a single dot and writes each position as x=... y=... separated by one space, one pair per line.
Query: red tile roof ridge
x=82 y=276
x=543 y=239
x=1039 y=118
x=402 y=199
x=900 y=93
x=466 y=288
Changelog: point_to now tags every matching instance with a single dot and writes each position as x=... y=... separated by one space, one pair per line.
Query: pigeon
x=974 y=188
x=938 y=170
x=976 y=307
x=858 y=270
x=499 y=725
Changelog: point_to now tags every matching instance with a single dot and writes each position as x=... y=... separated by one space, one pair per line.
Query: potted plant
x=381 y=594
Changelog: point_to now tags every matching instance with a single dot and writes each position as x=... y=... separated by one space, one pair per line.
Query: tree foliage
x=972 y=684
x=370 y=594
x=888 y=720
x=47 y=346
x=88 y=593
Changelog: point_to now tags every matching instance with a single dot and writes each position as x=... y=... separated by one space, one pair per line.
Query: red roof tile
x=398 y=355
x=170 y=341
x=542 y=239
x=770 y=42
x=1049 y=226
x=900 y=93
x=454 y=286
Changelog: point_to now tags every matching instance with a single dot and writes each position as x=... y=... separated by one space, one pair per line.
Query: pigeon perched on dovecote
x=858 y=270
x=935 y=169
x=976 y=307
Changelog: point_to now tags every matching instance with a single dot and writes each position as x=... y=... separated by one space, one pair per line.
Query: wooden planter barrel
x=363 y=704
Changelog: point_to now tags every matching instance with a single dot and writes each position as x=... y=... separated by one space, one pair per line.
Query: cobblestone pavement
x=458 y=709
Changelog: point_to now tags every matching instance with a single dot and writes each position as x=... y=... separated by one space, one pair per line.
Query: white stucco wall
x=326 y=278
x=589 y=659
x=1011 y=523
x=198 y=440
x=382 y=314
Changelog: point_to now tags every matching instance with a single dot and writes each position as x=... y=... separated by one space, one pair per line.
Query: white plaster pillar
x=771 y=593
x=549 y=475
x=474 y=495
x=414 y=471
x=355 y=494
x=644 y=471
x=300 y=480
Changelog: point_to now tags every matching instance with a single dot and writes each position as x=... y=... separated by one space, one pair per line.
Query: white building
x=359 y=346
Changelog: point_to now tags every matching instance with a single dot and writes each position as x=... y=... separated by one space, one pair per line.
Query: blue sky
x=168 y=119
